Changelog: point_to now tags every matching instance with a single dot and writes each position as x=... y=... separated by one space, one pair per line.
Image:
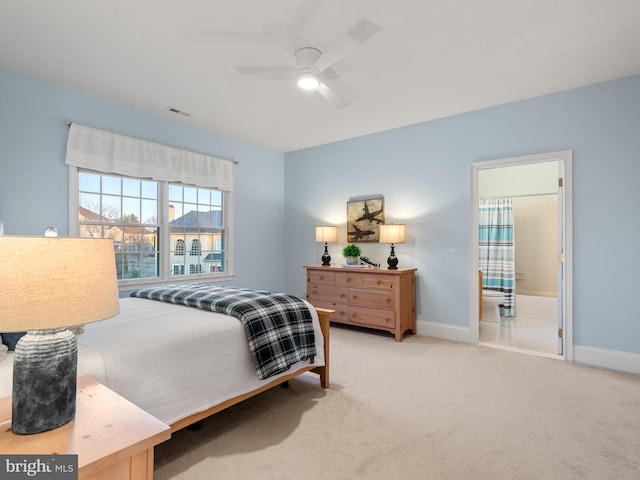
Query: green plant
x=351 y=251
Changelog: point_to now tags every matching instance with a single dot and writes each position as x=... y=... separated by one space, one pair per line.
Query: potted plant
x=351 y=253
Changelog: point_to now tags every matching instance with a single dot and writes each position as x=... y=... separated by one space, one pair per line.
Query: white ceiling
x=431 y=58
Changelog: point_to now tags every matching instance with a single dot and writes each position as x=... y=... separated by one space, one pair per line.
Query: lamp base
x=392 y=261
x=44 y=381
x=326 y=259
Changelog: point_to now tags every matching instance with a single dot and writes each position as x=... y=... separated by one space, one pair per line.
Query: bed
x=180 y=364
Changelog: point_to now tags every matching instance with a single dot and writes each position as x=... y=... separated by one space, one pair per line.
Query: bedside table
x=112 y=437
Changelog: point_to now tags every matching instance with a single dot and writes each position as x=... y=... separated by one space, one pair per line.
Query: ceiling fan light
x=308 y=81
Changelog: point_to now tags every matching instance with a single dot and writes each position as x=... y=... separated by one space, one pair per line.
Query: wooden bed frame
x=323 y=372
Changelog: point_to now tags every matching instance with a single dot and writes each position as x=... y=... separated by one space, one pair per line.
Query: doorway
x=526 y=185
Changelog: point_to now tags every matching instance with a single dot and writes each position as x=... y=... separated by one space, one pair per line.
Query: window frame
x=164 y=273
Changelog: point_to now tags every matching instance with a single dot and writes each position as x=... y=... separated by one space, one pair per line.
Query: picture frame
x=364 y=217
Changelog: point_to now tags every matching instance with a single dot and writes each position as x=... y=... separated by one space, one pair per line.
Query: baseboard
x=610 y=359
x=446 y=332
x=595 y=357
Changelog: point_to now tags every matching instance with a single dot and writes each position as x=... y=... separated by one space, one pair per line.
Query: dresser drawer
x=372 y=298
x=349 y=279
x=323 y=277
x=328 y=293
x=378 y=281
x=341 y=313
x=372 y=317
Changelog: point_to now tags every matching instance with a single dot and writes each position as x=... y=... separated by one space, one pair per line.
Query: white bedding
x=170 y=360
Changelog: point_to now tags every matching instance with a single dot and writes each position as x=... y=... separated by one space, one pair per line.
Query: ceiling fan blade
x=332 y=97
x=362 y=31
x=260 y=69
x=303 y=16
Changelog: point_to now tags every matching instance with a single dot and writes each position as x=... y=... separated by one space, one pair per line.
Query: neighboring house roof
x=212 y=218
x=213 y=257
x=92 y=216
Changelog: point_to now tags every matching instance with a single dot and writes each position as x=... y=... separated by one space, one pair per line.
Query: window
x=132 y=212
x=178 y=269
x=179 y=245
x=195 y=269
x=155 y=201
x=196 y=249
x=196 y=219
x=126 y=210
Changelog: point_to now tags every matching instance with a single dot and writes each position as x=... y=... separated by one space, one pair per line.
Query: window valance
x=109 y=152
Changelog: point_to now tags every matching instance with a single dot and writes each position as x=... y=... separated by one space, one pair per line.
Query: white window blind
x=109 y=152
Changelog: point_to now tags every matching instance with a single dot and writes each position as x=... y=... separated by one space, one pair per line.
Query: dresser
x=368 y=297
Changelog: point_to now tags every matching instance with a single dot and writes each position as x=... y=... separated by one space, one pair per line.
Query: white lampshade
x=53 y=282
x=47 y=284
x=392 y=233
x=327 y=233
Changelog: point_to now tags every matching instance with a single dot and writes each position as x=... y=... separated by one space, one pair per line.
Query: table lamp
x=326 y=234
x=47 y=284
x=392 y=233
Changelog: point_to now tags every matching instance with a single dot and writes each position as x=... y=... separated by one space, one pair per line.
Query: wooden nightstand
x=112 y=437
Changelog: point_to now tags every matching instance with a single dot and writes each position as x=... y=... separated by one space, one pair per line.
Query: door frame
x=564 y=157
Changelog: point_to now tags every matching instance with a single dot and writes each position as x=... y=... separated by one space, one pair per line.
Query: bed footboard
x=323 y=373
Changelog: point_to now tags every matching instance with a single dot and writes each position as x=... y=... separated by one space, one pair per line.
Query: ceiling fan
x=312 y=68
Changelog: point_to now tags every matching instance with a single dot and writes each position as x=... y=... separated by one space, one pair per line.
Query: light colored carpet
x=422 y=409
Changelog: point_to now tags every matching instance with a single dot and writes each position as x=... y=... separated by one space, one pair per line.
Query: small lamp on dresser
x=392 y=233
x=326 y=234
x=49 y=283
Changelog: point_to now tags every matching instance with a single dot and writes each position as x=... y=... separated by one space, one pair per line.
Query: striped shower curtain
x=496 y=249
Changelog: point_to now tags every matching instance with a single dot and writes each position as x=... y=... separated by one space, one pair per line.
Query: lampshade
x=48 y=283
x=326 y=233
x=392 y=233
x=52 y=282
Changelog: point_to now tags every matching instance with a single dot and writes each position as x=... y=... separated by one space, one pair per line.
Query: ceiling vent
x=179 y=112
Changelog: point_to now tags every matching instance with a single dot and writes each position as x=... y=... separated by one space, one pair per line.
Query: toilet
x=491 y=301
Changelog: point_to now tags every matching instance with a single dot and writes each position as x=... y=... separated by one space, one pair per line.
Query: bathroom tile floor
x=534 y=334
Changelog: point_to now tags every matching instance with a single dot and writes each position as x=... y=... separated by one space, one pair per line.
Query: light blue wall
x=423 y=171
x=34 y=178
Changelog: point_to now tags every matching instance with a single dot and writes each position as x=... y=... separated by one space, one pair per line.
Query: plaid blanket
x=278 y=325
